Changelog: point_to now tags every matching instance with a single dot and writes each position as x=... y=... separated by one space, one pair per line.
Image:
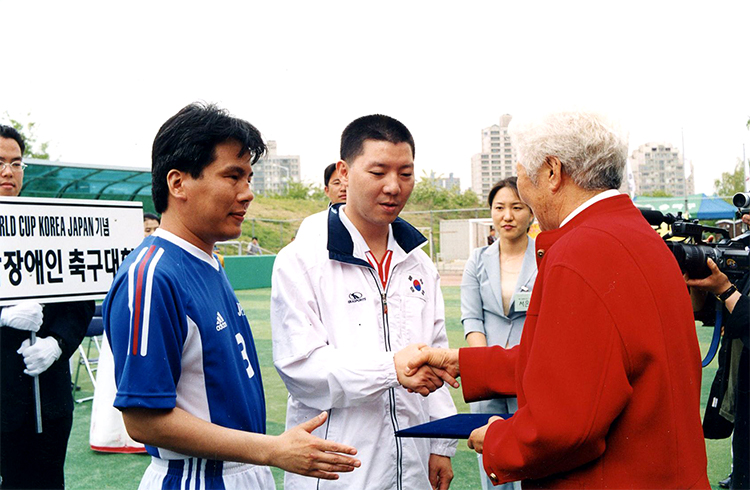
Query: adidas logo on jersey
x=220 y=323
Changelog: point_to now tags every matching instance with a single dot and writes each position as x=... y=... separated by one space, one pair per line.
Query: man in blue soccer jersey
x=187 y=373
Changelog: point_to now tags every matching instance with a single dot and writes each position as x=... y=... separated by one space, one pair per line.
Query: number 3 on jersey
x=243 y=350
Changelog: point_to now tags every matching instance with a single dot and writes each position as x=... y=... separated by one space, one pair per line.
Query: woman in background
x=496 y=288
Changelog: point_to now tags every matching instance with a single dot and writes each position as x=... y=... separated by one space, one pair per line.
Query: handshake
x=422 y=369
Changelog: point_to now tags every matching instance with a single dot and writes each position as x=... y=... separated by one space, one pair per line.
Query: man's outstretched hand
x=301 y=452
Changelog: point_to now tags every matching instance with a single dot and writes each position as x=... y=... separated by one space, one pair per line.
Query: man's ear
x=176 y=184
x=552 y=172
x=343 y=170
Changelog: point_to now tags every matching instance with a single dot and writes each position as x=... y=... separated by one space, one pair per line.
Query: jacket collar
x=341 y=243
x=599 y=197
x=491 y=259
x=546 y=239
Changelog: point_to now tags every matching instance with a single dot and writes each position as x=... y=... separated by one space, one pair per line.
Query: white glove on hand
x=26 y=315
x=40 y=356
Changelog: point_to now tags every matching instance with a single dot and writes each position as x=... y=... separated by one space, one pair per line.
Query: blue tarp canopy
x=700 y=206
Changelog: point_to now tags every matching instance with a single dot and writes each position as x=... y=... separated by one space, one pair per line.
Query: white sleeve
x=440 y=402
x=314 y=372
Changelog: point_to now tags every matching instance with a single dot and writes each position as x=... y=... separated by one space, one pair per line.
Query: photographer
x=733 y=356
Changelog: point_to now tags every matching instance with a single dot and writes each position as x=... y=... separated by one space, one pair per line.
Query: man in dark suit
x=29 y=459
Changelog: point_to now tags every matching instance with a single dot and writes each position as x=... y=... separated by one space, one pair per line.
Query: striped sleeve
x=140 y=297
x=147 y=331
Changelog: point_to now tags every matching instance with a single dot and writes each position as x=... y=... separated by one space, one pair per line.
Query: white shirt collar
x=599 y=197
x=187 y=246
x=360 y=245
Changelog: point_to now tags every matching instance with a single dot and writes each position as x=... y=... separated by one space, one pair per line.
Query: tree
x=731 y=183
x=296 y=190
x=29 y=136
x=427 y=193
x=300 y=190
x=318 y=193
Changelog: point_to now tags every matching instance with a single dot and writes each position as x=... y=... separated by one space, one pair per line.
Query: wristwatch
x=723 y=297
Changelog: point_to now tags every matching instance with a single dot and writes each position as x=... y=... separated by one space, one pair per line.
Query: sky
x=99 y=78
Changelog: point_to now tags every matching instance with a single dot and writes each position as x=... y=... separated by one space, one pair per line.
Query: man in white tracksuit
x=349 y=304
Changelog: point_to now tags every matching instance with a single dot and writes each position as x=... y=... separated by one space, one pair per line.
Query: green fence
x=249 y=271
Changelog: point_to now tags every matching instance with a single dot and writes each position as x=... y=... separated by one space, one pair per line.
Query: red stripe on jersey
x=138 y=294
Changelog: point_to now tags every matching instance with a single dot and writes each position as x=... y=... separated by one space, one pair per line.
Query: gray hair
x=592 y=149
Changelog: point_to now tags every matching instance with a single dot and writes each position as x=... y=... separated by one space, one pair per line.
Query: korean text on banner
x=54 y=250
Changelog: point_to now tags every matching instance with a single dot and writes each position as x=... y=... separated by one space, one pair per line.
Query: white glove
x=40 y=356
x=26 y=315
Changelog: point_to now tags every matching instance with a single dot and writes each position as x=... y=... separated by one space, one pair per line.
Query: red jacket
x=608 y=370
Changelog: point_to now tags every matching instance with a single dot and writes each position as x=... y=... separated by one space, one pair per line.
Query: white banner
x=55 y=250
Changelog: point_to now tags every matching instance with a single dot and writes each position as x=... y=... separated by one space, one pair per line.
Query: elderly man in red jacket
x=608 y=371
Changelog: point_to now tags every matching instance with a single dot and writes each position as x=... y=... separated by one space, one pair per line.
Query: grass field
x=88 y=470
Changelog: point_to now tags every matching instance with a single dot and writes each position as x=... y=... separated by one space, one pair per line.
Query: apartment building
x=497 y=159
x=660 y=167
x=447 y=183
x=273 y=171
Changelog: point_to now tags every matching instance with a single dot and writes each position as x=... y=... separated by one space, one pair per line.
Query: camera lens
x=741 y=200
x=692 y=258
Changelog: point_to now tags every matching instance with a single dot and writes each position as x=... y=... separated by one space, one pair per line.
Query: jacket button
x=540 y=253
x=493 y=477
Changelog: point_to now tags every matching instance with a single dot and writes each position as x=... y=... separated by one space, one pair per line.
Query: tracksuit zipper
x=328 y=425
x=391 y=391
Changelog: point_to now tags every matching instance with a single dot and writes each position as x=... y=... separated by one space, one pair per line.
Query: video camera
x=731 y=255
x=741 y=201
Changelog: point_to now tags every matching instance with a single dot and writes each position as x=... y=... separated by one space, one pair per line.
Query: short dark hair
x=11 y=133
x=188 y=140
x=327 y=173
x=374 y=127
x=151 y=216
x=511 y=182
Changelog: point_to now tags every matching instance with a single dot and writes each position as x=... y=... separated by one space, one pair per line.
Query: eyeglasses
x=14 y=166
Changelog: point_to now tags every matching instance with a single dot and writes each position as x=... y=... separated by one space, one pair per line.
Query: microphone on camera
x=656 y=218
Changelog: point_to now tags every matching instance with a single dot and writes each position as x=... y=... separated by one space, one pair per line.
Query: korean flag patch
x=417 y=285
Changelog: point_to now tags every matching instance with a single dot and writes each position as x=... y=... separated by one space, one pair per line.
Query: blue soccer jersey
x=180 y=338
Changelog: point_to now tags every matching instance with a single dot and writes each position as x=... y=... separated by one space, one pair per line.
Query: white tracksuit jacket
x=334 y=335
